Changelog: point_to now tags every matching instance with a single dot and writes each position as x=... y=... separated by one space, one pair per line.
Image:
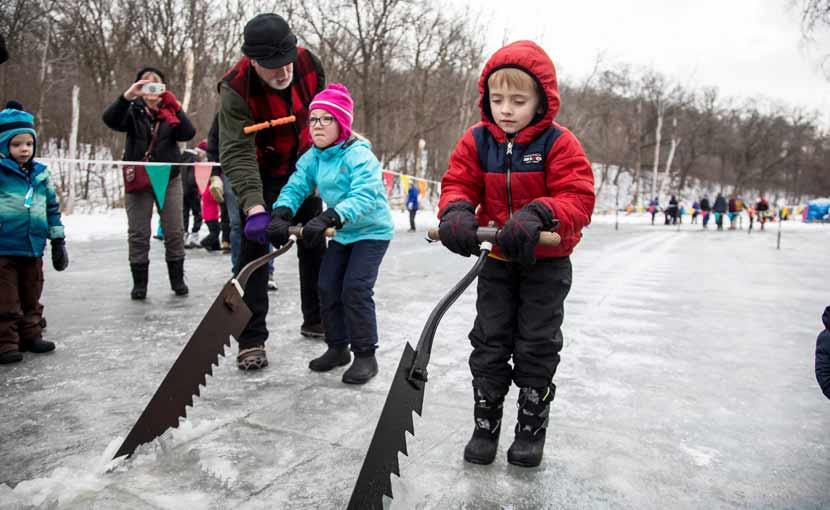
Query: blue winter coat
x=823 y=355
x=29 y=210
x=412 y=199
x=348 y=177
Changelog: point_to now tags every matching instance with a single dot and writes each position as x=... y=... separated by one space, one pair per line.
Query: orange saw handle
x=269 y=124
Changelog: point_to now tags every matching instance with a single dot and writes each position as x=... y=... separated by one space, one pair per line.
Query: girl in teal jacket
x=29 y=214
x=343 y=169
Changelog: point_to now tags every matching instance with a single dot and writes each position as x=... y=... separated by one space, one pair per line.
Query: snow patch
x=78 y=476
x=701 y=455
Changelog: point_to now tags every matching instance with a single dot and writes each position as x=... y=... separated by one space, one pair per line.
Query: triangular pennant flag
x=202 y=173
x=389 y=180
x=422 y=188
x=404 y=184
x=159 y=178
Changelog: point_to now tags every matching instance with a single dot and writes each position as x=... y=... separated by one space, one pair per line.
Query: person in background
x=154 y=125
x=695 y=211
x=705 y=210
x=210 y=213
x=228 y=196
x=719 y=208
x=191 y=198
x=412 y=204
x=29 y=215
x=671 y=211
x=823 y=355
x=653 y=207
x=732 y=209
x=762 y=210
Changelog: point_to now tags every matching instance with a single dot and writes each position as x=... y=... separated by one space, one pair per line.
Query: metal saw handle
x=492 y=234
x=418 y=373
x=250 y=267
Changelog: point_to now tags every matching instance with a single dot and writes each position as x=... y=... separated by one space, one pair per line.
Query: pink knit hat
x=336 y=100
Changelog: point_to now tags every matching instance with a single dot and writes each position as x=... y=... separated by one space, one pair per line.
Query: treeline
x=412 y=68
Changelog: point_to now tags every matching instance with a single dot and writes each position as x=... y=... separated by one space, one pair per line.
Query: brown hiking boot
x=252 y=358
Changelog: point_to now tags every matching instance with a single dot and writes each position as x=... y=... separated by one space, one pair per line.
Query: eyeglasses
x=324 y=121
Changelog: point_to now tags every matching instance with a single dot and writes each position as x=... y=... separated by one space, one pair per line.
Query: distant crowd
x=732 y=210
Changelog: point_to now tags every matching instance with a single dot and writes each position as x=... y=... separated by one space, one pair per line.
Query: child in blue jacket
x=29 y=214
x=343 y=169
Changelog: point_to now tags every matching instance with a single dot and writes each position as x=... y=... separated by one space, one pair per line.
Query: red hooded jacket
x=547 y=163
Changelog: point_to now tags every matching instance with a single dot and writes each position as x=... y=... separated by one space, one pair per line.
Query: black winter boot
x=211 y=241
x=333 y=357
x=481 y=449
x=363 y=368
x=175 y=269
x=534 y=406
x=140 y=272
x=10 y=357
x=37 y=345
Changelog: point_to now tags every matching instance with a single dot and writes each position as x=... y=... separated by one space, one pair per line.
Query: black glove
x=314 y=230
x=277 y=229
x=60 y=257
x=518 y=237
x=459 y=229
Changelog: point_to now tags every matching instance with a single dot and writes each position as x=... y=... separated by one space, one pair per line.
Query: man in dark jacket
x=276 y=78
x=823 y=355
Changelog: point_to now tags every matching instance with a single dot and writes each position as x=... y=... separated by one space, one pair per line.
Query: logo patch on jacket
x=530 y=159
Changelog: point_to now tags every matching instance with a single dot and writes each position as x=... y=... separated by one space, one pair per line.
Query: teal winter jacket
x=348 y=177
x=29 y=209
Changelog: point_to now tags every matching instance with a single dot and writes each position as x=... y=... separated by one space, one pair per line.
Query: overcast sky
x=745 y=48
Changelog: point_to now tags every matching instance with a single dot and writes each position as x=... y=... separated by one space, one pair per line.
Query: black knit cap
x=149 y=69
x=269 y=41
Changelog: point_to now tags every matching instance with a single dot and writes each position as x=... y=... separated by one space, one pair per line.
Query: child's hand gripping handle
x=298 y=232
x=491 y=234
x=269 y=124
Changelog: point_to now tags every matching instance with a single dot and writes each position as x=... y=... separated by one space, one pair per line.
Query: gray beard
x=273 y=84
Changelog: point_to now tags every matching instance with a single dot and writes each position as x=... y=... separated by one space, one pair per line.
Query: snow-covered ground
x=686 y=382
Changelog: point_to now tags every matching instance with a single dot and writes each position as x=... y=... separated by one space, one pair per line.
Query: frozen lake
x=686 y=382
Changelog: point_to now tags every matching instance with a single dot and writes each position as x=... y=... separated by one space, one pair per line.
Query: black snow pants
x=256 y=292
x=519 y=314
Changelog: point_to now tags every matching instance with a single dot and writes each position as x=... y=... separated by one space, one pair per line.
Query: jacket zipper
x=509 y=169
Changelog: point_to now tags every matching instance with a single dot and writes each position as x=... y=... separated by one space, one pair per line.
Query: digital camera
x=153 y=88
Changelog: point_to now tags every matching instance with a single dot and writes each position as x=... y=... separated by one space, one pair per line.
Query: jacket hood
x=532 y=59
x=14 y=122
x=826 y=317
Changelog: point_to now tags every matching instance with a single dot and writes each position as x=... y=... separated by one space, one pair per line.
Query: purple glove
x=256 y=227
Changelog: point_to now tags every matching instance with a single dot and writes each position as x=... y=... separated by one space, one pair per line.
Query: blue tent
x=818 y=210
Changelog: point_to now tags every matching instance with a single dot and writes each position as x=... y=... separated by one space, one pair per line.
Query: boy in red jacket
x=527 y=174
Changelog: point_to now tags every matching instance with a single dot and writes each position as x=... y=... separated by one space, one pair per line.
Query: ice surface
x=686 y=382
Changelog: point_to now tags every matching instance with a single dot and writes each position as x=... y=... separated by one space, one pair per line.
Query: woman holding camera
x=154 y=122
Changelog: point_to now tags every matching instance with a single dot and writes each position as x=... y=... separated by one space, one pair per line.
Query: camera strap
x=153 y=136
